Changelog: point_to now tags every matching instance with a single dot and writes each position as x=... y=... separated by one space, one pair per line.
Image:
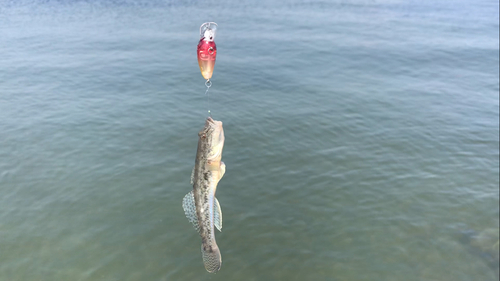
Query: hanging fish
x=200 y=205
x=207 y=51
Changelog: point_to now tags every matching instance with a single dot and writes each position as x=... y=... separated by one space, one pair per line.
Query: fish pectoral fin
x=217 y=215
x=222 y=169
x=190 y=209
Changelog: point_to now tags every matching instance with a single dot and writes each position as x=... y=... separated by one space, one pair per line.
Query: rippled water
x=362 y=139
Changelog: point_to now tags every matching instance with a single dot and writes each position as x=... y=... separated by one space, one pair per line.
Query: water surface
x=361 y=139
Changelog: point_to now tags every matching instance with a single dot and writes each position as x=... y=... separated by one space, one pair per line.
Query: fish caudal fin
x=211 y=258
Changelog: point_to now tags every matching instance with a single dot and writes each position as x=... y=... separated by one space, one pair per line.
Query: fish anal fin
x=217 y=215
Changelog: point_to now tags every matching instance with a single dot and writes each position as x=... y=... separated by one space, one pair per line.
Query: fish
x=200 y=205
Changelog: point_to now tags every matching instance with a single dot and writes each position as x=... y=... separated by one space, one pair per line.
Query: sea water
x=362 y=139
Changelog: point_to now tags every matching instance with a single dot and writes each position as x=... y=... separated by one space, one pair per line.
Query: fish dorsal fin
x=217 y=215
x=192 y=176
x=190 y=209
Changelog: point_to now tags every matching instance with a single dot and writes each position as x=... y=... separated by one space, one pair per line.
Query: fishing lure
x=207 y=52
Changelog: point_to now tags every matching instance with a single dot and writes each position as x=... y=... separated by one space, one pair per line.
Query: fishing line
x=208 y=84
x=207 y=52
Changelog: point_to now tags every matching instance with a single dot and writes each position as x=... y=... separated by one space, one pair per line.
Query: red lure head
x=207 y=51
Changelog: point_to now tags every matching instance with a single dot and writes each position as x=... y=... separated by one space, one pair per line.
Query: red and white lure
x=206 y=52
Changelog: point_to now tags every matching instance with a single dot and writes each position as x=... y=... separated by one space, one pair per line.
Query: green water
x=362 y=139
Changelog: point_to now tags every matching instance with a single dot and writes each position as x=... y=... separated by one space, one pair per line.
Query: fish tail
x=211 y=258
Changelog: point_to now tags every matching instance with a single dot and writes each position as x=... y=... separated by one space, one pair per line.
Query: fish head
x=214 y=133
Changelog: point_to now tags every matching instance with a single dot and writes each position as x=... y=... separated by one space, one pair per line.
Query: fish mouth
x=213 y=130
x=214 y=124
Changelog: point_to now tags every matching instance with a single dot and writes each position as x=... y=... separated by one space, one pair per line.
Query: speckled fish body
x=200 y=205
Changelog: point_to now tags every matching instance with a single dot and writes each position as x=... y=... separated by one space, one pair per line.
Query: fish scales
x=200 y=205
